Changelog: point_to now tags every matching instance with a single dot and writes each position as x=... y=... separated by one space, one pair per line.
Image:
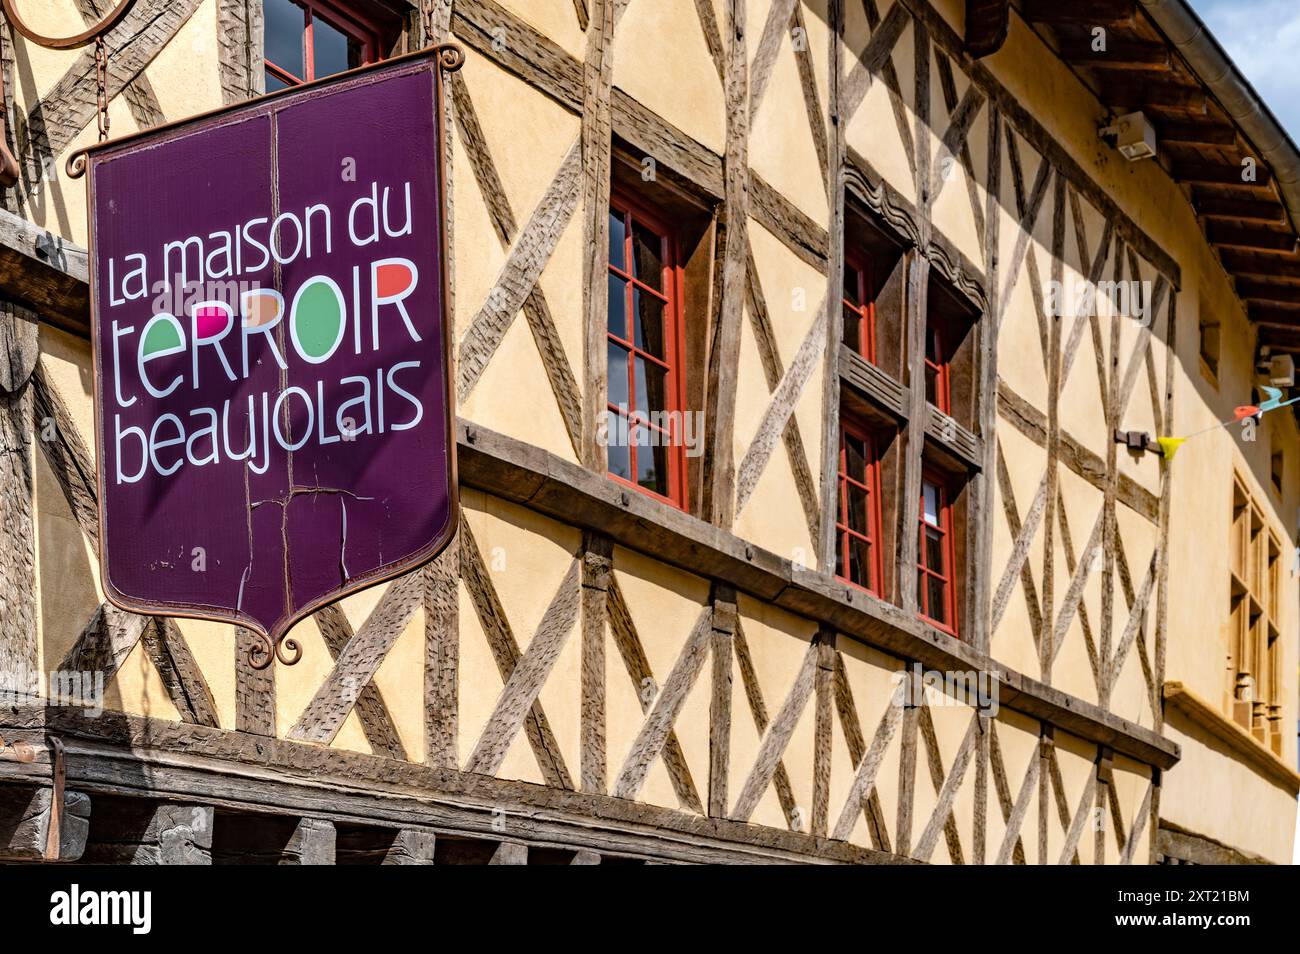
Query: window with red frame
x=645 y=348
x=310 y=39
x=860 y=307
x=938 y=386
x=858 y=520
x=934 y=569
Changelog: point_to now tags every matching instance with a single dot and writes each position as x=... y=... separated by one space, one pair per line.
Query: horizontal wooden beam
x=564 y=491
x=1118 y=54
x=155 y=758
x=1238 y=236
x=1267 y=292
x=1082 y=12
x=1276 y=265
x=44 y=272
x=25 y=822
x=1134 y=92
x=1245 y=210
x=1277 y=318
x=1236 y=176
x=1193 y=133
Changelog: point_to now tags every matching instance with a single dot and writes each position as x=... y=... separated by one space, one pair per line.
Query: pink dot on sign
x=211 y=320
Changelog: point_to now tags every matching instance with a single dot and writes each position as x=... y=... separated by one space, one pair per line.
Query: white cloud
x=1263 y=39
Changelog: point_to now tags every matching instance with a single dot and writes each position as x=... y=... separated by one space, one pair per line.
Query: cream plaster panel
x=781 y=146
x=659 y=35
x=555 y=19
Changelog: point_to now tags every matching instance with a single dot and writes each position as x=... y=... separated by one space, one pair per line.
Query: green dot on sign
x=162 y=335
x=318 y=320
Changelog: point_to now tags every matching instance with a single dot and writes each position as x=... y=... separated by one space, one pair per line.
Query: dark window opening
x=950 y=359
x=307 y=40
x=936 y=559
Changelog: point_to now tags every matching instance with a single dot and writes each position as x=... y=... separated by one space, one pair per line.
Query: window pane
x=860 y=561
x=617 y=240
x=651 y=460
x=853 y=329
x=934 y=551
x=617 y=389
x=333 y=50
x=858 y=512
x=274 y=82
x=938 y=610
x=285 y=26
x=648 y=313
x=617 y=323
x=839 y=556
x=651 y=387
x=648 y=249
x=851 y=285
x=932 y=385
x=930 y=503
x=620 y=459
x=855 y=458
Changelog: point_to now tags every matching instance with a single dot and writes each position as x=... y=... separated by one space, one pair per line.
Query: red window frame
x=864 y=309
x=672 y=282
x=342 y=18
x=844 y=533
x=941 y=369
x=944 y=574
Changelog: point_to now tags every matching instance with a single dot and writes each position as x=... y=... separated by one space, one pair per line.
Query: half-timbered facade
x=794 y=522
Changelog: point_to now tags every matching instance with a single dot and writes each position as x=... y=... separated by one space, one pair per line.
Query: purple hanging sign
x=273 y=403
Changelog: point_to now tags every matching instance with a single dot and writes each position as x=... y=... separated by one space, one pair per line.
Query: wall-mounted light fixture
x=1133 y=135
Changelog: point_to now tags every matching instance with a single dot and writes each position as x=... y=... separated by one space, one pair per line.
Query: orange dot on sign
x=392 y=279
x=1245 y=411
x=261 y=309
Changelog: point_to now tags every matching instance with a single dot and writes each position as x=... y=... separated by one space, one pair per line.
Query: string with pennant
x=1169 y=445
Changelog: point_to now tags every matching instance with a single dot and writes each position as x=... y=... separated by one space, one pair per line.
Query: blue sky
x=1263 y=39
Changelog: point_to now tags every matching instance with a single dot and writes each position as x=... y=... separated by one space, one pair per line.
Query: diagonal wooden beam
x=1023 y=538
x=1136 y=619
x=536 y=310
x=70 y=106
x=528 y=257
x=359 y=660
x=525 y=684
x=181 y=676
x=1003 y=789
x=712 y=36
x=765 y=338
x=1081 y=814
x=775 y=28
x=857 y=746
x=138 y=93
x=942 y=816
x=505 y=651
x=934 y=762
x=758 y=709
x=1071 y=565
x=1139 y=825
x=868 y=765
x=777 y=737
x=954 y=144
x=638 y=669
x=376 y=722
x=1073 y=599
x=663 y=712
x=872 y=59
x=1017 y=816
x=1026 y=230
x=803 y=60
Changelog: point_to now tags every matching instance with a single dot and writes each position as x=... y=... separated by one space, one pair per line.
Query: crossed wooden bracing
x=1010 y=172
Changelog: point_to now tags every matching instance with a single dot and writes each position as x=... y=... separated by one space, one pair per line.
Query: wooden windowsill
x=1209 y=718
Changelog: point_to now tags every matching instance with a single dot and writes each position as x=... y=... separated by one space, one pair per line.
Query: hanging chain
x=101 y=81
x=429 y=8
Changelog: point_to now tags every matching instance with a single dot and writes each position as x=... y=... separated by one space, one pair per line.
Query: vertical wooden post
x=909 y=510
x=824 y=689
x=724 y=340
x=18 y=355
x=723 y=638
x=442 y=657
x=907 y=761
x=1046 y=742
x=254 y=689
x=597 y=565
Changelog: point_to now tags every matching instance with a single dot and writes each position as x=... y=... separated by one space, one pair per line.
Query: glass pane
x=860 y=561
x=647 y=247
x=617 y=322
x=648 y=313
x=934 y=551
x=853 y=329
x=274 y=82
x=855 y=458
x=937 y=609
x=651 y=460
x=839 y=556
x=858 y=512
x=651 y=387
x=333 y=50
x=851 y=285
x=617 y=389
x=617 y=240
x=930 y=502
x=932 y=385
x=286 y=23
x=620 y=458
